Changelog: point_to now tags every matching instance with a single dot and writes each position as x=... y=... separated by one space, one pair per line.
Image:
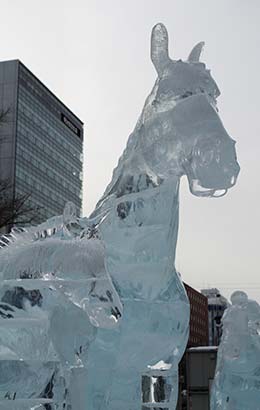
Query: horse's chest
x=139 y=229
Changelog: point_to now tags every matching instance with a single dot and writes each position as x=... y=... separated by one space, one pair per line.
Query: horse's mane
x=128 y=162
x=66 y=226
x=32 y=233
x=21 y=236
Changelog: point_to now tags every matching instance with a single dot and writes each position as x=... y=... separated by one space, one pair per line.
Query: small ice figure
x=237 y=379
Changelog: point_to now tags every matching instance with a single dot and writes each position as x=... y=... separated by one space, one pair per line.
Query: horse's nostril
x=219 y=193
x=233 y=180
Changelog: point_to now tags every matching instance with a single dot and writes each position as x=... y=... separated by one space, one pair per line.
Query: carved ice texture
x=237 y=378
x=94 y=314
x=54 y=294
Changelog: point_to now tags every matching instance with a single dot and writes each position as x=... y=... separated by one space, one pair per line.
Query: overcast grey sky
x=94 y=54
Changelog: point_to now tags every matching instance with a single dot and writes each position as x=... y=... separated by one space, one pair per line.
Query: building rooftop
x=199 y=349
x=44 y=86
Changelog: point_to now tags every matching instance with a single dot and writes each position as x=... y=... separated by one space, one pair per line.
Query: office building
x=199 y=335
x=40 y=143
x=217 y=304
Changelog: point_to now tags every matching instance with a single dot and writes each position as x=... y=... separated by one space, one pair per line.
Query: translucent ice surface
x=237 y=378
x=178 y=133
x=115 y=311
x=54 y=293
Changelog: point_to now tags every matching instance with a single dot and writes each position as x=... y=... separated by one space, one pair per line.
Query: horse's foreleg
x=77 y=388
x=125 y=390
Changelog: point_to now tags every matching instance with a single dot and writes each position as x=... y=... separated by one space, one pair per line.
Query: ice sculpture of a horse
x=178 y=133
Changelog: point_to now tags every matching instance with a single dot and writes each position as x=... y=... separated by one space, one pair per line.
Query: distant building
x=41 y=143
x=200 y=371
x=198 y=336
x=217 y=304
x=198 y=318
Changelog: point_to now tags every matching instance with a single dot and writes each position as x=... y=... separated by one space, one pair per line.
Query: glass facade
x=49 y=139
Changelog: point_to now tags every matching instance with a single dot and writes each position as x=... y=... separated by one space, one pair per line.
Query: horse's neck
x=138 y=216
x=140 y=233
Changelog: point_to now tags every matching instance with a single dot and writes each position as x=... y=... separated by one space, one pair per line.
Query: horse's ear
x=159 y=47
x=195 y=53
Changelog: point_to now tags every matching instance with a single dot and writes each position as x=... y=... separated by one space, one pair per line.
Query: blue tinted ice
x=178 y=133
x=115 y=310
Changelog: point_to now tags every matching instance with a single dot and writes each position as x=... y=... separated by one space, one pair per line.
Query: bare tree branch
x=3 y=119
x=3 y=115
x=14 y=208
